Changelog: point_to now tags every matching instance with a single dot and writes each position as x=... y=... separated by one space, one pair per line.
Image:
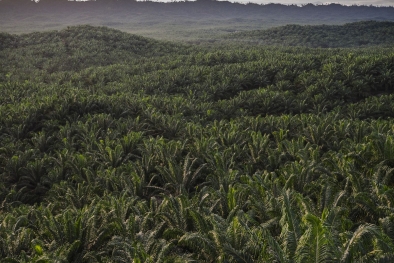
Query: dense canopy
x=119 y=148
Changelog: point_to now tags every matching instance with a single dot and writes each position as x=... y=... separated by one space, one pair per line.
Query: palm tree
x=181 y=179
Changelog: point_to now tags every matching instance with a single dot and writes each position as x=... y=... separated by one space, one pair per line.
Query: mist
x=183 y=20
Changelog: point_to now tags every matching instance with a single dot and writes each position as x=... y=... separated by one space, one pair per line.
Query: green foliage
x=156 y=152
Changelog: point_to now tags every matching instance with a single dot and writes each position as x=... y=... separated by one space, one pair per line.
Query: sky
x=343 y=2
x=297 y=2
x=300 y=2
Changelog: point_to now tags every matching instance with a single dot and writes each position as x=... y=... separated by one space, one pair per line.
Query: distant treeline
x=367 y=33
x=22 y=16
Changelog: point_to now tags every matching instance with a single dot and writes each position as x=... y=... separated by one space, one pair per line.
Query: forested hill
x=359 y=34
x=78 y=47
x=177 y=20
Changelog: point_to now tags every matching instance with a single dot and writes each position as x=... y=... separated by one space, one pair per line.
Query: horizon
x=378 y=3
x=180 y=20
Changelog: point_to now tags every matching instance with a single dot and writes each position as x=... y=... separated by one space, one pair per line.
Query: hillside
x=359 y=34
x=79 y=47
x=145 y=151
x=176 y=20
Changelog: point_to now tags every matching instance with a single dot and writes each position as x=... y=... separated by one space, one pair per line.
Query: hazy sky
x=343 y=2
x=297 y=2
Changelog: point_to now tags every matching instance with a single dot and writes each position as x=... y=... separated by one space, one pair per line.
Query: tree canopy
x=120 y=148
